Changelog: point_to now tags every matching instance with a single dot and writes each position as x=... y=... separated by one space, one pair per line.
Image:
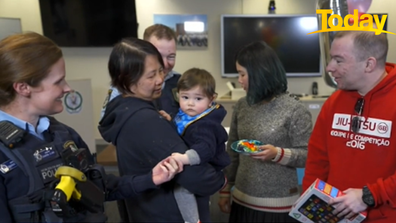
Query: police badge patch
x=45 y=154
x=7 y=166
x=38 y=156
x=70 y=144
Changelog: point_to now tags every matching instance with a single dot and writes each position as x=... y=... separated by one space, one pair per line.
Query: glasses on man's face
x=359 y=111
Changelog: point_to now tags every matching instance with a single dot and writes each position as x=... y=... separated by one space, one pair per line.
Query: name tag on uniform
x=45 y=154
x=7 y=166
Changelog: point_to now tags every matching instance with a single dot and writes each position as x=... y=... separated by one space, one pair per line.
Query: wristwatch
x=367 y=197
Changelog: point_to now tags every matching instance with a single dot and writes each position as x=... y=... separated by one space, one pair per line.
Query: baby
x=199 y=123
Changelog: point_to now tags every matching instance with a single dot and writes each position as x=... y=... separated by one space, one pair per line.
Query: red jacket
x=348 y=160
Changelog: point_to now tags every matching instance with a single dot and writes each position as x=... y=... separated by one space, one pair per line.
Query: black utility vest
x=39 y=159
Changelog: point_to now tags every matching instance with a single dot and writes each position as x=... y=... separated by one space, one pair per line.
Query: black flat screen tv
x=286 y=34
x=88 y=23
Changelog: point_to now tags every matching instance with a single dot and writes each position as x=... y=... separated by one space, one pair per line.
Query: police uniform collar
x=42 y=125
x=169 y=75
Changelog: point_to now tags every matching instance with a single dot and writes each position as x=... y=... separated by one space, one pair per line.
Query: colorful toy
x=246 y=146
x=313 y=207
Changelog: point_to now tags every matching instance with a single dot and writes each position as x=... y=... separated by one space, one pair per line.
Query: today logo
x=365 y=24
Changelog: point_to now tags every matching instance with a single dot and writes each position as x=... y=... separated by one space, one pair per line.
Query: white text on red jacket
x=371 y=130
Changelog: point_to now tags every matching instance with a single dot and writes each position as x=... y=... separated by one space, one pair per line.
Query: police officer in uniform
x=34 y=145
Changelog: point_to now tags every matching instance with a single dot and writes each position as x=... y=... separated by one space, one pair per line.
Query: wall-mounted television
x=88 y=23
x=286 y=34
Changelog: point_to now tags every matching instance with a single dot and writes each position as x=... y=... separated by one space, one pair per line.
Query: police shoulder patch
x=70 y=144
x=7 y=166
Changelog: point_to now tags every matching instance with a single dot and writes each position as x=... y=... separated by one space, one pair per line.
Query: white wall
x=92 y=62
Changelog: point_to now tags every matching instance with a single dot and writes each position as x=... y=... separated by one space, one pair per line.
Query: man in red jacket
x=352 y=146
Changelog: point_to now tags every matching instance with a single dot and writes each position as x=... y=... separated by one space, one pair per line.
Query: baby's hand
x=181 y=158
x=165 y=115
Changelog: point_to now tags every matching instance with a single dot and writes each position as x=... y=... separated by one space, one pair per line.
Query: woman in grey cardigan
x=265 y=185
